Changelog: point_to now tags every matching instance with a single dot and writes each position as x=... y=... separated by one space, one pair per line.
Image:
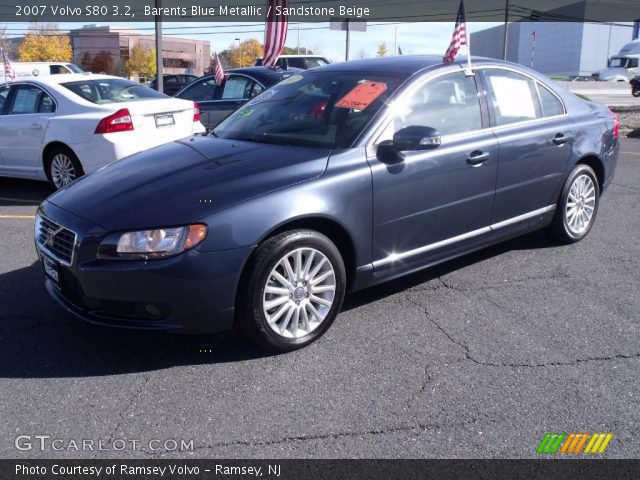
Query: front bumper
x=190 y=293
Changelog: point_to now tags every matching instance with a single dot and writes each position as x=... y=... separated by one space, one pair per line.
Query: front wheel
x=62 y=167
x=636 y=92
x=295 y=290
x=576 y=211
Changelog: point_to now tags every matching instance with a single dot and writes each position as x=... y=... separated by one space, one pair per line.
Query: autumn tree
x=45 y=43
x=141 y=62
x=382 y=50
x=102 y=63
x=250 y=49
x=294 y=51
x=3 y=37
x=85 y=61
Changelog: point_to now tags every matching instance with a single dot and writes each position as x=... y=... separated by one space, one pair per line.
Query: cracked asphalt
x=476 y=358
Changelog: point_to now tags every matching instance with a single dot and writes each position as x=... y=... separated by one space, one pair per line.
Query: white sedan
x=61 y=127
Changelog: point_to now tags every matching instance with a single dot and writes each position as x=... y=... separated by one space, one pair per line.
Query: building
x=561 y=47
x=180 y=55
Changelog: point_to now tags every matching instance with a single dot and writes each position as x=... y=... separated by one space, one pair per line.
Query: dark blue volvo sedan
x=334 y=180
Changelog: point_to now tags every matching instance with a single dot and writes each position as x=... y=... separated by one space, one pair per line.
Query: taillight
x=616 y=125
x=118 y=122
x=196 y=112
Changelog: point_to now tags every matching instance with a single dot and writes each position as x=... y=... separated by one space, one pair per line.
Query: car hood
x=182 y=182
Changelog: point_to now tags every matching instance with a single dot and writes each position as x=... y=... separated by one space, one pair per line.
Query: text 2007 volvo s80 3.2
x=333 y=180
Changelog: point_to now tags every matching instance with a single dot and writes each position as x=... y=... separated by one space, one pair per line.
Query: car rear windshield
x=313 y=109
x=112 y=90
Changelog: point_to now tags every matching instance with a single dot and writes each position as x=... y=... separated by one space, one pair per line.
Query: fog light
x=152 y=310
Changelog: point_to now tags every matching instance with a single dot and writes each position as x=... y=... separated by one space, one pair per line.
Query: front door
x=22 y=129
x=438 y=197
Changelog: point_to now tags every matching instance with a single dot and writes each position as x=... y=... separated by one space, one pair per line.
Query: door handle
x=560 y=139
x=36 y=126
x=477 y=158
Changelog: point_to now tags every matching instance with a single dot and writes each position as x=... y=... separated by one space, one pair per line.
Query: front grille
x=55 y=239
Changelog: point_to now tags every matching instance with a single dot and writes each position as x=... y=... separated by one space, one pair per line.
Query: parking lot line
x=19 y=217
x=631 y=153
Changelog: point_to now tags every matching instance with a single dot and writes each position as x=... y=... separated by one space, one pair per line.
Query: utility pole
x=506 y=26
x=298 y=47
x=159 y=69
x=240 y=50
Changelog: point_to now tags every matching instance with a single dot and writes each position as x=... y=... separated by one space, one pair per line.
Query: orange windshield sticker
x=362 y=95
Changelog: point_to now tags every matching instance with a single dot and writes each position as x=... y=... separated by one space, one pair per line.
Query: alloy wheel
x=63 y=172
x=299 y=292
x=581 y=203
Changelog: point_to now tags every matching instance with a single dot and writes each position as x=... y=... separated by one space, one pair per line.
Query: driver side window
x=448 y=103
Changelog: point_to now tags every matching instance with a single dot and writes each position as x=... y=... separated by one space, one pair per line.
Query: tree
x=250 y=48
x=102 y=63
x=44 y=43
x=294 y=51
x=85 y=61
x=382 y=50
x=142 y=62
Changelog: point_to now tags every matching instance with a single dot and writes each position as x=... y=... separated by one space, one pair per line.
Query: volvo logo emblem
x=50 y=235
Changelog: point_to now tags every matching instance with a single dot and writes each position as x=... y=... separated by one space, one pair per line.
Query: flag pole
x=4 y=66
x=468 y=39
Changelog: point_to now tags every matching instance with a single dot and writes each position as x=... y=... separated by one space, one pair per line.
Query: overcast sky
x=413 y=38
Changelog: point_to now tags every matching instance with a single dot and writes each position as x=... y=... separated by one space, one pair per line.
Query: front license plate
x=165 y=120
x=50 y=268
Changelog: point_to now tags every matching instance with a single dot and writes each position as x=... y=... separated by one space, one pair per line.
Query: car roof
x=265 y=75
x=66 y=78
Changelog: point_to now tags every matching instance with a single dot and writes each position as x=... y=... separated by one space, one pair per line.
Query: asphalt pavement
x=476 y=358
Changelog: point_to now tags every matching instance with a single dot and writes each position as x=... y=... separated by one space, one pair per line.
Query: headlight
x=156 y=243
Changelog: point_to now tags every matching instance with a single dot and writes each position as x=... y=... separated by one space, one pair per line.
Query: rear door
x=22 y=128
x=534 y=145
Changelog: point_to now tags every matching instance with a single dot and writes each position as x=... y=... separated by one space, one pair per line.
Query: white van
x=43 y=69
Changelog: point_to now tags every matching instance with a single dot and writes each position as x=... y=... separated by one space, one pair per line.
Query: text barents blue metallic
x=333 y=180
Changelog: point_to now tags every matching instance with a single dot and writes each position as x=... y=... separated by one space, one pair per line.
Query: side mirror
x=416 y=138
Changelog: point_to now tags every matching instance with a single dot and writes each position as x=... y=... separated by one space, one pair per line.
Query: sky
x=412 y=38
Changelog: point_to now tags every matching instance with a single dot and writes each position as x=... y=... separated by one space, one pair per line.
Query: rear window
x=112 y=90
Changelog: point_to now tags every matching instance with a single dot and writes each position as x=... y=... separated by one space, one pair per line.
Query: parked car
x=216 y=102
x=172 y=84
x=337 y=179
x=63 y=126
x=635 y=86
x=44 y=69
x=304 y=62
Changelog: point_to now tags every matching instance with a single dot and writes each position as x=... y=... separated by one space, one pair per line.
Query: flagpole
x=4 y=66
x=468 y=39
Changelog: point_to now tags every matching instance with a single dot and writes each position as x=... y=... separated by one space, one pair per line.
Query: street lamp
x=240 y=48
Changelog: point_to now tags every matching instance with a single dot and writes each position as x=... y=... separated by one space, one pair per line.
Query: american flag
x=275 y=33
x=218 y=73
x=8 y=68
x=459 y=37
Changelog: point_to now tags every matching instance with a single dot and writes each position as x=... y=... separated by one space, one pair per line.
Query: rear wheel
x=295 y=290
x=62 y=167
x=578 y=205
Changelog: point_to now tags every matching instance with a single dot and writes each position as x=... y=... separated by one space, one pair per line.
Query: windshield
x=112 y=90
x=618 y=62
x=313 y=109
x=74 y=68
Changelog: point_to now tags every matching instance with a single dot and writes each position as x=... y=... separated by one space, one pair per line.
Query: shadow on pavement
x=38 y=339
x=16 y=192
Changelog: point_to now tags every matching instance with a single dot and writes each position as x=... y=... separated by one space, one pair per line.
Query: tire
x=636 y=92
x=578 y=205
x=283 y=311
x=62 y=167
